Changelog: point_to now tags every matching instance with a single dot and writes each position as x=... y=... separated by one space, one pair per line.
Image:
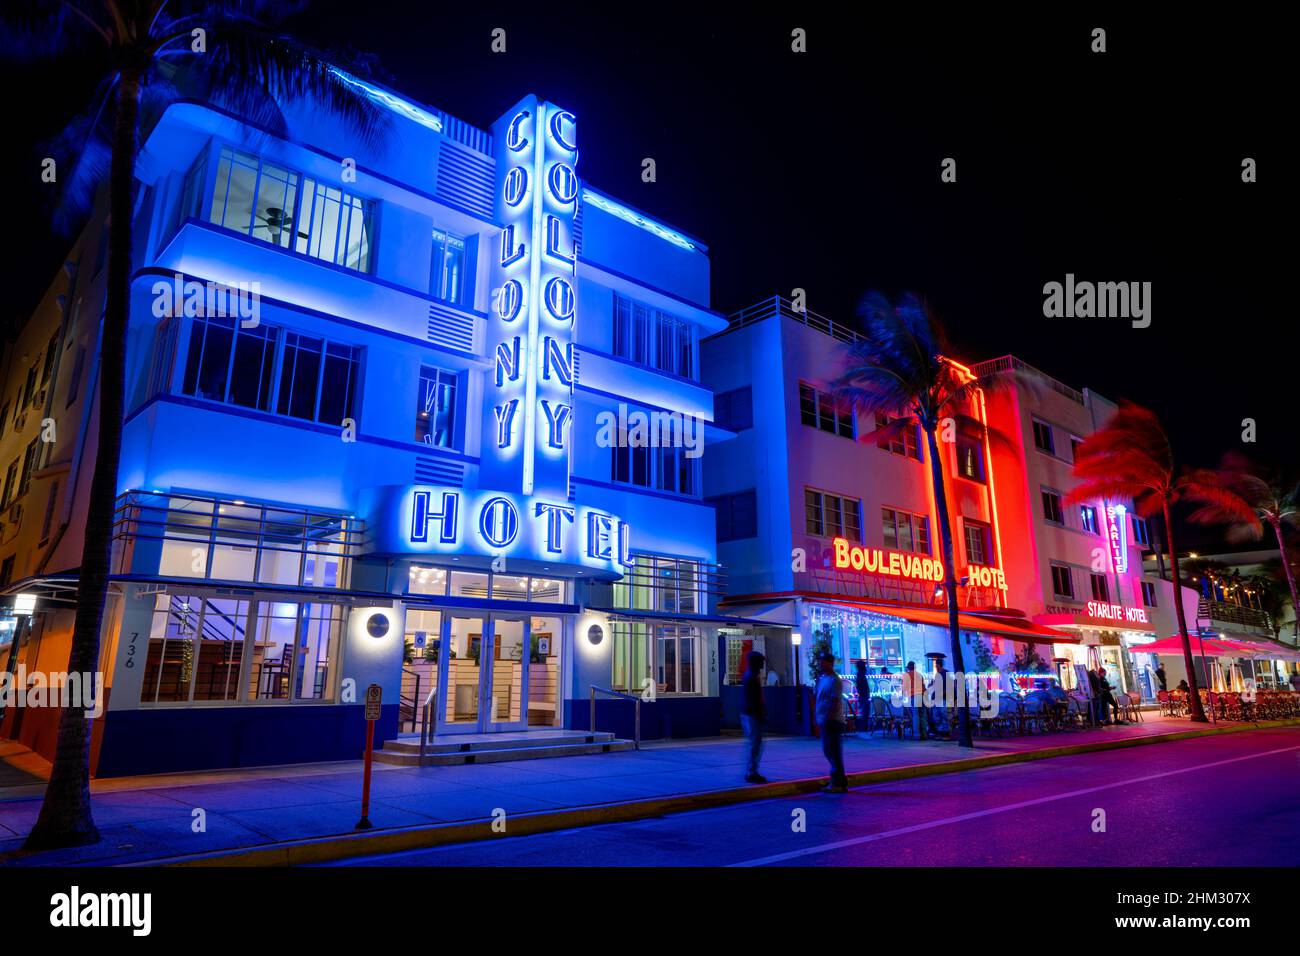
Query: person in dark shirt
x=752 y=714
x=863 y=687
x=1160 y=676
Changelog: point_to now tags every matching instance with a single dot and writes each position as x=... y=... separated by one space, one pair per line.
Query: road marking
x=885 y=835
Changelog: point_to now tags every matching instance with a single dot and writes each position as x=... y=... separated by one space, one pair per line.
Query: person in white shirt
x=830 y=718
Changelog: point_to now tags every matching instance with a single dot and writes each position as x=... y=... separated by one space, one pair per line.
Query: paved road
x=1232 y=800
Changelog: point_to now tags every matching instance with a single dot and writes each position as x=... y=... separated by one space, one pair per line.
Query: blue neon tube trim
x=391 y=101
x=636 y=219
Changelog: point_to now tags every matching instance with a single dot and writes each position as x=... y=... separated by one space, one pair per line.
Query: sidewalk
x=153 y=818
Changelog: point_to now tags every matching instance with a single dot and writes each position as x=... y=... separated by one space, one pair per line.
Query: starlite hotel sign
x=527 y=425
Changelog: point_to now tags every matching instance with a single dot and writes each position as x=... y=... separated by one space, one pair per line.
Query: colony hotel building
x=392 y=472
x=837 y=539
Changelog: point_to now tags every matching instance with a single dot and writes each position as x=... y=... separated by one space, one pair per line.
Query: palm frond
x=32 y=30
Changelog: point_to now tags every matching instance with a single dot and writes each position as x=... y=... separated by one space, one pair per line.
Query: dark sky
x=821 y=170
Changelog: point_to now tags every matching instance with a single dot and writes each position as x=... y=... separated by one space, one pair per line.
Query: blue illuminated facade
x=364 y=443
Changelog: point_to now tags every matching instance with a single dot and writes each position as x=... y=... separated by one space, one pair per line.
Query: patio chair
x=883 y=718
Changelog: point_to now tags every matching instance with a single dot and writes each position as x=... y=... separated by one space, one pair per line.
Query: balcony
x=779 y=306
x=1222 y=612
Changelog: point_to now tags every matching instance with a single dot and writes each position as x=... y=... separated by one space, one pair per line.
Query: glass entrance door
x=483 y=673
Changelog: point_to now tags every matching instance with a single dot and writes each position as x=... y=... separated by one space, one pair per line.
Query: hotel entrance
x=492 y=671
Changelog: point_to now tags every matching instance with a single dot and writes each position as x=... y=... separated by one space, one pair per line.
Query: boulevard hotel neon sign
x=910 y=567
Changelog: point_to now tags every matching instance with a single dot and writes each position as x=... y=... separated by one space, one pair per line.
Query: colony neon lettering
x=531 y=337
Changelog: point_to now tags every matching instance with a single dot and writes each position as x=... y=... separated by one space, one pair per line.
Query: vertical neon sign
x=528 y=416
x=1118 y=534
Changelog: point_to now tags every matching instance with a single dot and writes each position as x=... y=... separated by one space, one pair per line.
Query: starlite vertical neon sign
x=1117 y=531
x=529 y=417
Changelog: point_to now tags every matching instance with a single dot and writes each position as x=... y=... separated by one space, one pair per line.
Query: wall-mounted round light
x=377 y=625
x=595 y=634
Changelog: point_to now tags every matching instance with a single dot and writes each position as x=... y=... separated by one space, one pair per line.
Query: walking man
x=830 y=718
x=752 y=712
x=914 y=699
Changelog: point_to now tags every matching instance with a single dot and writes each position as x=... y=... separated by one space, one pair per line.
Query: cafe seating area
x=1014 y=715
x=1234 y=705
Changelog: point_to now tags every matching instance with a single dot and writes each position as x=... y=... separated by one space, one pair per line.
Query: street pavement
x=1230 y=800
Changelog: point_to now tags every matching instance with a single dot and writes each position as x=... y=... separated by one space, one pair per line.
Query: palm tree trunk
x=1290 y=575
x=949 y=585
x=1198 y=712
x=65 y=818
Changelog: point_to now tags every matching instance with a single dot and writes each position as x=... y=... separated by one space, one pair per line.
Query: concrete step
x=507 y=751
x=410 y=743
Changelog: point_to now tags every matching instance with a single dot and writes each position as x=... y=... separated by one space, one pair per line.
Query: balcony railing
x=1220 y=612
x=778 y=306
x=1008 y=363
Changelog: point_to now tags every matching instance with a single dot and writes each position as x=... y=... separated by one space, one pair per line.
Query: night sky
x=821 y=171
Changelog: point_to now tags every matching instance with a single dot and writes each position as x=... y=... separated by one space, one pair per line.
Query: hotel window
x=435 y=407
x=904 y=531
x=1062 y=581
x=650 y=337
x=667 y=654
x=1043 y=440
x=30 y=465
x=1100 y=588
x=231 y=364
x=819 y=409
x=265 y=201
x=734 y=410
x=677 y=655
x=737 y=515
x=668 y=469
x=1052 y=507
x=318 y=379
x=832 y=516
x=906 y=443
x=74 y=380
x=1148 y=593
x=1088 y=519
x=1141 y=532
x=50 y=503
x=977 y=543
x=661 y=583
x=7 y=570
x=970 y=457
x=50 y=354
x=447 y=271
x=4 y=419
x=11 y=482
x=1075 y=442
x=227 y=363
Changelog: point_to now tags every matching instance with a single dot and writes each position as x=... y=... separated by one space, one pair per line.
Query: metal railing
x=636 y=736
x=425 y=713
x=777 y=305
x=1221 y=611
x=409 y=705
x=1009 y=363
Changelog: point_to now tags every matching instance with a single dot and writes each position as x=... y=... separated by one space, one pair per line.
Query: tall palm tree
x=1247 y=497
x=898 y=370
x=152 y=54
x=1130 y=457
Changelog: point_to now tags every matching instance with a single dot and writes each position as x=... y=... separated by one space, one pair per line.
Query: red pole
x=364 y=823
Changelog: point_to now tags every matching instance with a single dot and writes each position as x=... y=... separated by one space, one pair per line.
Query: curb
x=344 y=846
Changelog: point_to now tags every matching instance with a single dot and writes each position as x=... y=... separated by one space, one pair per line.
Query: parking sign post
x=374 y=699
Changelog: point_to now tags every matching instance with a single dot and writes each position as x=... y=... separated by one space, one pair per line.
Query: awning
x=668 y=617
x=1201 y=647
x=1018 y=629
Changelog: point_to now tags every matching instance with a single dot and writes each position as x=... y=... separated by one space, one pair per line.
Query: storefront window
x=198 y=647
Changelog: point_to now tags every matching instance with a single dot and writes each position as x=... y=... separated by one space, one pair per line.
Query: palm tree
x=1247 y=497
x=153 y=53
x=1130 y=457
x=897 y=369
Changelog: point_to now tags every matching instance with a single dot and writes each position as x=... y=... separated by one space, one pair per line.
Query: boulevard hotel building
x=366 y=443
